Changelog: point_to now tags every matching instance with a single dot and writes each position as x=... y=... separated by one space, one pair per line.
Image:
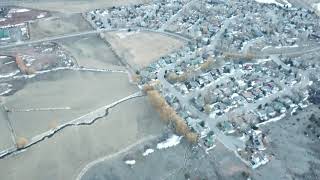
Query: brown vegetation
x=21 y=142
x=135 y=78
x=192 y=137
x=23 y=67
x=181 y=127
x=168 y=114
x=53 y=124
x=173 y=77
x=207 y=109
x=207 y=64
x=190 y=73
x=147 y=88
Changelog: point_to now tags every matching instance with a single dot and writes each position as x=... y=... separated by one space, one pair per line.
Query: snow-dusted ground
x=123 y=35
x=317 y=7
x=9 y=74
x=273 y=119
x=170 y=142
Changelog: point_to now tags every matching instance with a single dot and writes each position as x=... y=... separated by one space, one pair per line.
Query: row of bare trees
x=169 y=115
x=207 y=65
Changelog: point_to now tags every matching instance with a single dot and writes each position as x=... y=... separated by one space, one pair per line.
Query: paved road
x=276 y=59
x=291 y=51
x=77 y=34
x=217 y=37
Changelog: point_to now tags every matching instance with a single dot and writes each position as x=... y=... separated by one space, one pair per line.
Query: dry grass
x=21 y=142
x=207 y=64
x=53 y=124
x=147 y=88
x=192 y=137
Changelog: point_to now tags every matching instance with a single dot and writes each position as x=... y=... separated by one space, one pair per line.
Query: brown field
x=140 y=49
x=99 y=56
x=81 y=91
x=64 y=155
x=58 y=24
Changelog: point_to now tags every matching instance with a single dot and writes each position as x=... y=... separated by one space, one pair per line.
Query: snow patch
x=170 y=142
x=241 y=83
x=14 y=10
x=280 y=46
x=42 y=15
x=286 y=3
x=266 y=47
x=147 y=152
x=24 y=31
x=130 y=162
x=123 y=35
x=5 y=92
x=273 y=119
x=9 y=74
x=317 y=7
x=269 y=2
x=263 y=60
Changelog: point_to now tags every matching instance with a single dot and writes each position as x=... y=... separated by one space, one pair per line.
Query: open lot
x=92 y=52
x=295 y=155
x=140 y=49
x=180 y=161
x=66 y=153
x=75 y=92
x=58 y=24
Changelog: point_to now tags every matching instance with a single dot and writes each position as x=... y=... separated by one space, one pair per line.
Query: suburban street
x=177 y=15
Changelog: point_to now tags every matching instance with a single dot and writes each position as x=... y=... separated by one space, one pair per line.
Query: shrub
x=21 y=142
x=192 y=137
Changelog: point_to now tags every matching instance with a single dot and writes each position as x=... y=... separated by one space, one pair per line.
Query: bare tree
x=168 y=115
x=192 y=137
x=21 y=142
